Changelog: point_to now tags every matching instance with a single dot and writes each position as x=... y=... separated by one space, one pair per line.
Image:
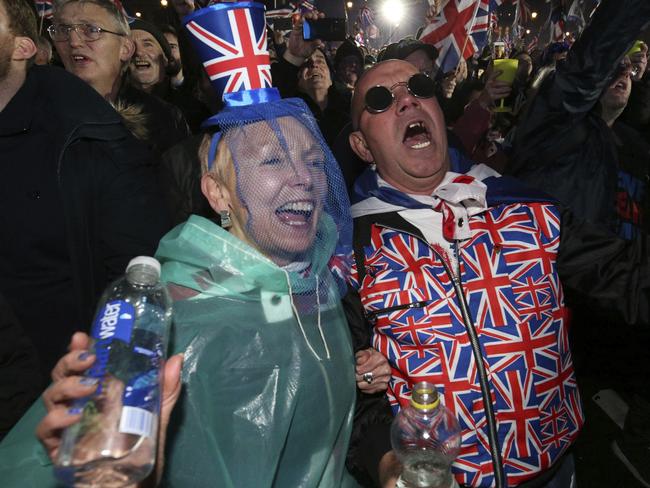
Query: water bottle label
x=114 y=322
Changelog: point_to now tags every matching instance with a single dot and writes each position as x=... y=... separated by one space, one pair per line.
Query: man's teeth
x=416 y=125
x=79 y=58
x=421 y=145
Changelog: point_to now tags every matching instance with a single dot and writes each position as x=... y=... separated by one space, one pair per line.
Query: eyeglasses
x=88 y=32
x=379 y=98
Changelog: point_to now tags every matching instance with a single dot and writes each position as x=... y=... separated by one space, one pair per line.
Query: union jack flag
x=459 y=30
x=44 y=8
x=241 y=59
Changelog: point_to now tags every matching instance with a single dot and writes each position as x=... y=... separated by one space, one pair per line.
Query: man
x=459 y=281
x=75 y=213
x=421 y=55
x=93 y=40
x=330 y=107
x=153 y=68
x=172 y=39
x=348 y=66
x=572 y=144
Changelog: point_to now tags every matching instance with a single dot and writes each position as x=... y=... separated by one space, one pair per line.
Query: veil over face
x=281 y=184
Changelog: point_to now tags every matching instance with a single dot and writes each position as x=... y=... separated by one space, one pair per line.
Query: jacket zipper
x=495 y=452
x=372 y=316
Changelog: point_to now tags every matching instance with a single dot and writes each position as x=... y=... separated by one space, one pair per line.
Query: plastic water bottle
x=426 y=438
x=114 y=443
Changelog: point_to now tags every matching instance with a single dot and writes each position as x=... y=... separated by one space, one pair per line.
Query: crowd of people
x=372 y=223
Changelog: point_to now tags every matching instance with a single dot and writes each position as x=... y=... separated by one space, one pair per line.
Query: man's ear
x=127 y=50
x=217 y=195
x=24 y=48
x=359 y=146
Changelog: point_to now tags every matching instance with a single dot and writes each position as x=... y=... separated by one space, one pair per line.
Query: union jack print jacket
x=491 y=334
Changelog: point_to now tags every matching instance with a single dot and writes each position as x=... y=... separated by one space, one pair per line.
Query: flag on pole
x=366 y=17
x=44 y=8
x=460 y=29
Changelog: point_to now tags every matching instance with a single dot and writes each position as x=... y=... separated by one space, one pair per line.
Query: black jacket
x=20 y=381
x=561 y=144
x=108 y=196
x=165 y=123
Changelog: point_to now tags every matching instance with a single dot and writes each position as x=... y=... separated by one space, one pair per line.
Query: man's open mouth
x=296 y=213
x=142 y=64
x=417 y=136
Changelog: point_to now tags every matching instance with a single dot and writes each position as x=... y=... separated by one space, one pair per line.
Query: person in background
x=72 y=215
x=93 y=41
x=153 y=68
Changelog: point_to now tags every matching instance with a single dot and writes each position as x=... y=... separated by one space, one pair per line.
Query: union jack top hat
x=230 y=39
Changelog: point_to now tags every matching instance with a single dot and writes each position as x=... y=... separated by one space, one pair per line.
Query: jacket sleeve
x=20 y=377
x=597 y=269
x=126 y=209
x=285 y=77
x=370 y=438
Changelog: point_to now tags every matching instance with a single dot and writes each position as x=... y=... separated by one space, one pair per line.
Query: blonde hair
x=222 y=171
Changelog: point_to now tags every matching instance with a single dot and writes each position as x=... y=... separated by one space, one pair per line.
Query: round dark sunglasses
x=379 y=98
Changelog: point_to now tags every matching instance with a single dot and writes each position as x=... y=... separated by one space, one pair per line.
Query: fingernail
x=87 y=381
x=83 y=356
x=75 y=410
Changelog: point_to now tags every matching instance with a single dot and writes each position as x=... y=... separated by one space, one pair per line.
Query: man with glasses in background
x=458 y=276
x=94 y=42
x=78 y=198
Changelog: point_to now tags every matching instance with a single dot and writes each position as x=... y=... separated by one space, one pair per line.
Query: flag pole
x=469 y=33
x=40 y=28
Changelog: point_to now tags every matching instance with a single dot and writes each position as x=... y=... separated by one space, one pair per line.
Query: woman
x=268 y=383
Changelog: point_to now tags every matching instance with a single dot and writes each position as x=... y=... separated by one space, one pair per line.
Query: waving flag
x=236 y=57
x=121 y=9
x=44 y=8
x=459 y=30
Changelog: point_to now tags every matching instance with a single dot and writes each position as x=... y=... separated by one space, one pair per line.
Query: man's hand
x=390 y=470
x=298 y=50
x=640 y=62
x=183 y=7
x=494 y=90
x=373 y=363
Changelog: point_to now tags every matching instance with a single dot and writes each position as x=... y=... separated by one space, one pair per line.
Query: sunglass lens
x=421 y=86
x=378 y=98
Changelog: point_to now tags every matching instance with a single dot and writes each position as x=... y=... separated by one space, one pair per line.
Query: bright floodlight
x=534 y=15
x=163 y=3
x=393 y=10
x=138 y=14
x=350 y=5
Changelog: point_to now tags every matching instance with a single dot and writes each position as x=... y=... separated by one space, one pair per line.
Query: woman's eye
x=271 y=161
x=316 y=163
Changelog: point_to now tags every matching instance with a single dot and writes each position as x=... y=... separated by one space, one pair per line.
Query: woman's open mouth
x=296 y=213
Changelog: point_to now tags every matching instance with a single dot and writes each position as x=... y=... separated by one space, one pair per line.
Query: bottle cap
x=424 y=396
x=146 y=261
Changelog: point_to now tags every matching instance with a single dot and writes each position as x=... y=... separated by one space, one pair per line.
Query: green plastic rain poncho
x=267 y=399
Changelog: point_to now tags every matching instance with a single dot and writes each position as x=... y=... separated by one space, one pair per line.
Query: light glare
x=393 y=10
